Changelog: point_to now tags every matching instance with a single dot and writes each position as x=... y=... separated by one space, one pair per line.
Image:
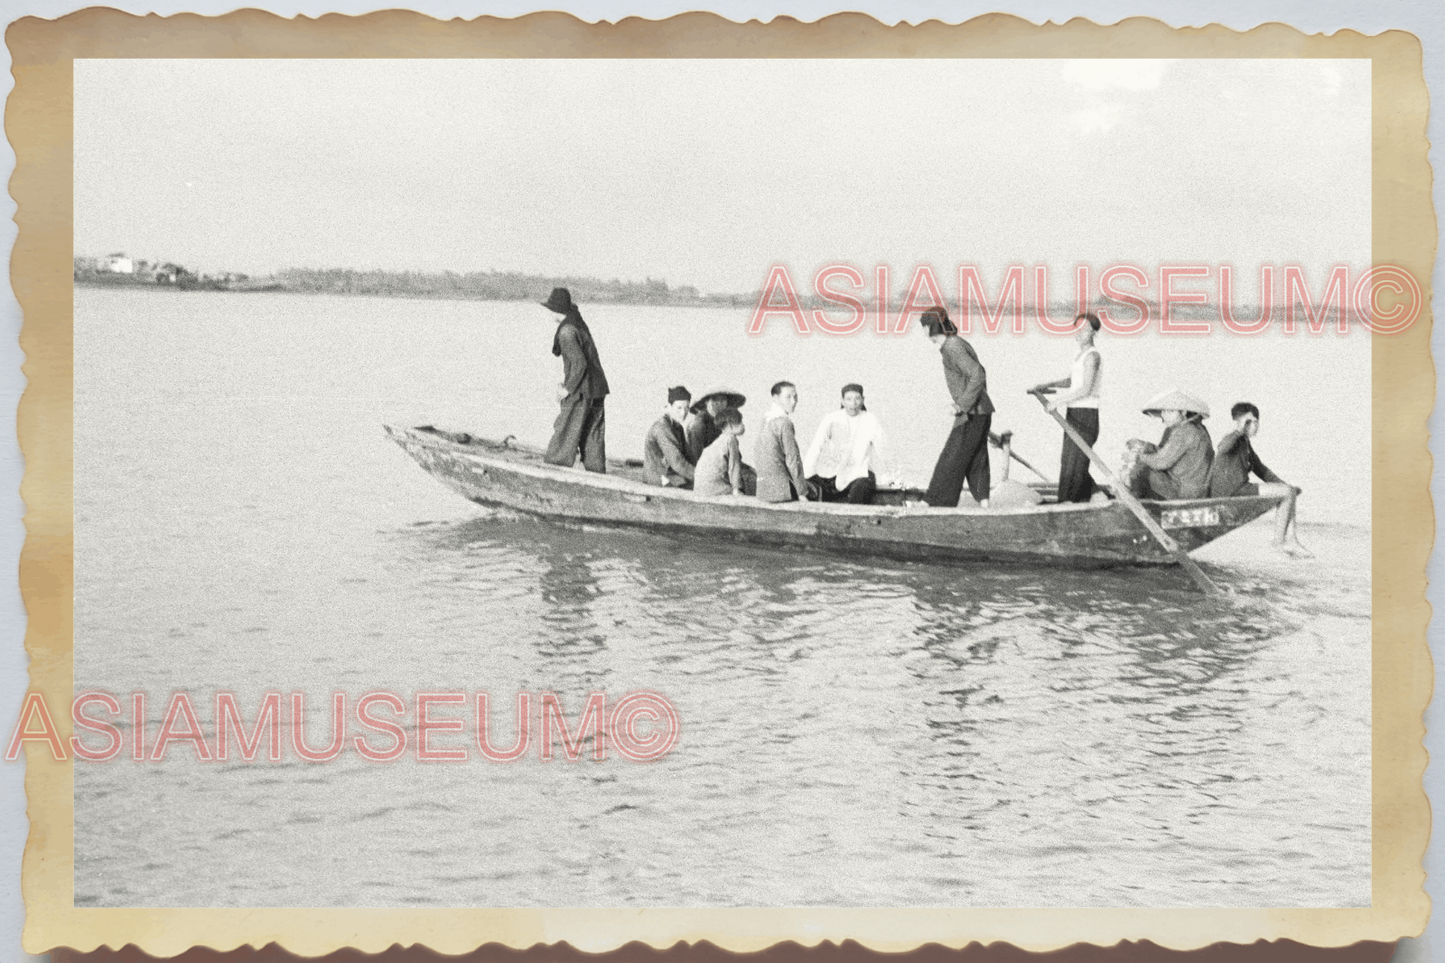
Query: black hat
x=560 y=301
x=935 y=319
x=676 y=394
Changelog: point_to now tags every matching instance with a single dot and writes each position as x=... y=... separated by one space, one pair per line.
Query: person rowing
x=1080 y=403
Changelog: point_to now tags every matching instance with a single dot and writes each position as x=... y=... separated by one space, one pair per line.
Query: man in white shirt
x=846 y=451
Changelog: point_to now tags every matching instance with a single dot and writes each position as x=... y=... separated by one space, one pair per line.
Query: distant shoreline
x=1246 y=312
x=275 y=286
x=481 y=287
x=513 y=288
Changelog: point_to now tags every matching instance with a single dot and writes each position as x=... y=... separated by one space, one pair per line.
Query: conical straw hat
x=736 y=399
x=1178 y=401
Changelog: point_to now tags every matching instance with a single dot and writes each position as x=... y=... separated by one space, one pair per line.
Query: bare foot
x=1292 y=549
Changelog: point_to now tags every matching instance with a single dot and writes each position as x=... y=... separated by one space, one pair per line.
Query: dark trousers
x=964 y=457
x=859 y=491
x=1075 y=482
x=581 y=424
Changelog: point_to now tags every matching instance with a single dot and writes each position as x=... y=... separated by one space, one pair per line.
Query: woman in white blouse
x=1080 y=402
x=847 y=451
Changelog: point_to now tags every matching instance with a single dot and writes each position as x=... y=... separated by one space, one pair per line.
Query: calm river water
x=852 y=734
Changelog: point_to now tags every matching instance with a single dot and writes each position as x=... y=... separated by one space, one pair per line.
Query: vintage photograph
x=723 y=483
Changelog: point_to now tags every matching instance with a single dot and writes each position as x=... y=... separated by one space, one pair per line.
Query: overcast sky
x=709 y=171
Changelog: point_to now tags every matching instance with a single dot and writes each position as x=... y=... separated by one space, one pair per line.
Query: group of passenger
x=1185 y=464
x=695 y=444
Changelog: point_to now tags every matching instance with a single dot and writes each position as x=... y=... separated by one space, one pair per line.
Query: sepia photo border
x=38 y=122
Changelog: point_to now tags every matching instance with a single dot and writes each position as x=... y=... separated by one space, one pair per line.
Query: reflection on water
x=853 y=733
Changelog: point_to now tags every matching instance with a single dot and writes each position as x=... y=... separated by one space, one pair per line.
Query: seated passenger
x=720 y=469
x=701 y=427
x=1233 y=462
x=779 y=466
x=664 y=453
x=1180 y=467
x=846 y=449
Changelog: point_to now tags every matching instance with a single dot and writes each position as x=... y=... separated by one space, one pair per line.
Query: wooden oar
x=1140 y=512
x=998 y=441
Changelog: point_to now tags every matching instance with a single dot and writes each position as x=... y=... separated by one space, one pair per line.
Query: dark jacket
x=664 y=453
x=779 y=463
x=967 y=380
x=1185 y=455
x=581 y=369
x=1234 y=459
x=701 y=431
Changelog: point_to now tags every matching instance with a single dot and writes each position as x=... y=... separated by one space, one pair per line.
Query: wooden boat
x=1092 y=535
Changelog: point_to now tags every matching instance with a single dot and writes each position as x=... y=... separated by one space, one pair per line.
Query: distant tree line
x=497 y=286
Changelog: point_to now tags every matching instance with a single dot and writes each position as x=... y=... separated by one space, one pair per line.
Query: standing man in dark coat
x=582 y=422
x=965 y=454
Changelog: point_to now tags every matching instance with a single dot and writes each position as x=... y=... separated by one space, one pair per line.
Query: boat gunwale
x=433 y=438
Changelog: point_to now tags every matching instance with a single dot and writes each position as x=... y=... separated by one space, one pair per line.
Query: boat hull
x=492 y=473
